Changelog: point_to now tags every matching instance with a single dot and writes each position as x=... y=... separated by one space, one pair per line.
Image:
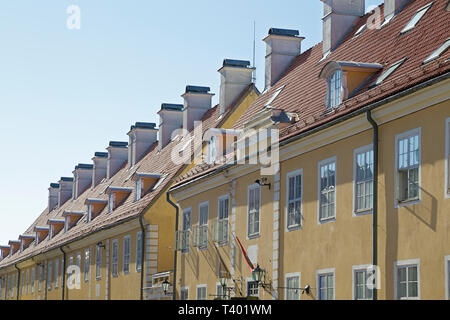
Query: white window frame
x=422 y=12
x=138 y=189
x=289 y=175
x=115 y=258
x=87 y=264
x=184 y=289
x=78 y=264
x=98 y=262
x=33 y=279
x=126 y=255
x=292 y=275
x=359 y=268
x=111 y=200
x=337 y=90
x=220 y=294
x=206 y=291
x=188 y=244
x=447 y=276
x=225 y=221
x=247 y=281
x=56 y=263
x=203 y=226
x=49 y=275
x=139 y=235
x=40 y=272
x=398 y=137
x=258 y=233
x=447 y=159
x=356 y=152
x=438 y=52
x=319 y=202
x=323 y=272
x=402 y=264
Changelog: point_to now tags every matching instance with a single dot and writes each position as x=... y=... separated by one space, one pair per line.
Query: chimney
x=65 y=190
x=142 y=136
x=235 y=76
x=100 y=160
x=282 y=46
x=170 y=119
x=117 y=156
x=197 y=100
x=391 y=7
x=338 y=17
x=53 y=196
x=82 y=179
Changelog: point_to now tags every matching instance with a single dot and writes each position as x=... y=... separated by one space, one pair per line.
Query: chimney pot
x=170 y=119
x=117 y=156
x=142 y=135
x=197 y=100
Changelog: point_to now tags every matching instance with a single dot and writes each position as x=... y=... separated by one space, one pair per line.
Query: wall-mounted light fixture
x=263 y=182
x=101 y=245
x=165 y=287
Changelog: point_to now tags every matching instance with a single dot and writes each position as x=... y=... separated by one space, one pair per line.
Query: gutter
x=18 y=281
x=375 y=196
x=143 y=249
x=63 y=284
x=174 y=280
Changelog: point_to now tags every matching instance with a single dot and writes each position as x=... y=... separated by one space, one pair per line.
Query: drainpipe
x=18 y=281
x=375 y=195
x=174 y=280
x=63 y=284
x=142 y=257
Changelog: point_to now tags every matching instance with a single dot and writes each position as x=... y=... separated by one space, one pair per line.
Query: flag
x=250 y=264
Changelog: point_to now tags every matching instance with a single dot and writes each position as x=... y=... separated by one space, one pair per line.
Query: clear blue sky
x=65 y=93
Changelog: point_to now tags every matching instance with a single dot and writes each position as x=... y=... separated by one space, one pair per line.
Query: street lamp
x=258 y=274
x=223 y=281
x=165 y=286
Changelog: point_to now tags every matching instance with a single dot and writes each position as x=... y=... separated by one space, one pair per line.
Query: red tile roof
x=153 y=161
x=304 y=92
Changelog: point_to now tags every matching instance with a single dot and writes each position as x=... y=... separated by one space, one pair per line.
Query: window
x=49 y=275
x=387 y=73
x=138 y=189
x=361 y=290
x=115 y=257
x=294 y=199
x=327 y=190
x=78 y=262
x=27 y=283
x=89 y=213
x=334 y=89
x=292 y=287
x=254 y=196
x=126 y=254
x=203 y=225
x=13 y=285
x=212 y=150
x=363 y=188
x=22 y=283
x=184 y=293
x=184 y=235
x=139 y=251
x=201 y=292
x=419 y=14
x=447 y=158
x=273 y=97
x=220 y=293
x=436 y=54
x=252 y=289
x=98 y=262
x=447 y=277
x=39 y=277
x=56 y=273
x=33 y=278
x=223 y=213
x=408 y=165
x=325 y=284
x=87 y=264
x=406 y=277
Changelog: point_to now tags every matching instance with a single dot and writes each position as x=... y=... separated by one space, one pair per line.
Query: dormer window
x=94 y=207
x=145 y=182
x=345 y=79
x=71 y=219
x=26 y=240
x=117 y=195
x=15 y=246
x=41 y=233
x=335 y=89
x=56 y=225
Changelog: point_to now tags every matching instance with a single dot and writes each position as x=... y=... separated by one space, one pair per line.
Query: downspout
x=375 y=196
x=174 y=280
x=63 y=284
x=18 y=281
x=143 y=249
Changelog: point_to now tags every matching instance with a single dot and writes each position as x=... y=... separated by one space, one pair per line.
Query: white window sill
x=326 y=220
x=293 y=227
x=253 y=236
x=408 y=202
x=362 y=212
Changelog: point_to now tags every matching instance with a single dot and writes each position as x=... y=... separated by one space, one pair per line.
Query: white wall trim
x=361 y=267
x=396 y=195
x=319 y=164
x=403 y=263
